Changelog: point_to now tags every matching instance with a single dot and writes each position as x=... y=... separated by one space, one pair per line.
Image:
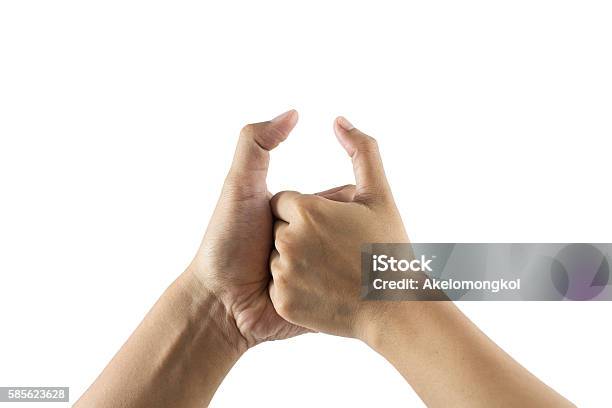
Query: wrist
x=373 y=318
x=205 y=306
x=385 y=321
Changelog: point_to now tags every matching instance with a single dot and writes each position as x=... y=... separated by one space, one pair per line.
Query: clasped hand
x=288 y=264
x=272 y=267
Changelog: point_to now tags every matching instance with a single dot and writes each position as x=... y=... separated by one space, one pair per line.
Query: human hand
x=232 y=261
x=316 y=264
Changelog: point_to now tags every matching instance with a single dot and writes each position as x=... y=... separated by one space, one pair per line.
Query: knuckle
x=285 y=306
x=248 y=130
x=368 y=144
x=282 y=243
x=281 y=279
x=273 y=135
x=308 y=207
x=371 y=139
x=267 y=137
x=275 y=263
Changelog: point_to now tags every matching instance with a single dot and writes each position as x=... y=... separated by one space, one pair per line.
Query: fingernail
x=345 y=124
x=283 y=116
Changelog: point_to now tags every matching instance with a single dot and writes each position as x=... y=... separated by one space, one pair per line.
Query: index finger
x=283 y=205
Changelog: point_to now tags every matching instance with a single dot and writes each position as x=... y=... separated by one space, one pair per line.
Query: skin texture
x=219 y=307
x=255 y=279
x=316 y=284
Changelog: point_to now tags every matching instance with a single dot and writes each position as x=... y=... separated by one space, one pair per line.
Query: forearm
x=177 y=356
x=450 y=362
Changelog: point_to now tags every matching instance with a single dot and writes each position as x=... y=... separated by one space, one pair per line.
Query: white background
x=118 y=121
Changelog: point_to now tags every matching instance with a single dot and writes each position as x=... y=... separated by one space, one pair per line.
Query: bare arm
x=217 y=309
x=178 y=355
x=450 y=362
x=316 y=271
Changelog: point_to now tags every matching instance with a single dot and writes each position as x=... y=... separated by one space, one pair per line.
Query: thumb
x=251 y=159
x=370 y=178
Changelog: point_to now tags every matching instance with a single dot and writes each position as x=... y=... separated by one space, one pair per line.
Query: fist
x=316 y=261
